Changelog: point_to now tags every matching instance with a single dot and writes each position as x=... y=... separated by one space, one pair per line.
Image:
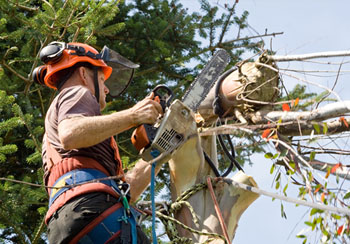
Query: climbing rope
x=168 y=218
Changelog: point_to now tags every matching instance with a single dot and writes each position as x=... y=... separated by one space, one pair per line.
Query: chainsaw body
x=165 y=136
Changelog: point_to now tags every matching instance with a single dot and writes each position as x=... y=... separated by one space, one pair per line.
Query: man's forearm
x=88 y=131
x=82 y=132
x=139 y=178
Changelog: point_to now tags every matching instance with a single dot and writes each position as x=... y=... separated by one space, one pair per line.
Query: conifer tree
x=162 y=36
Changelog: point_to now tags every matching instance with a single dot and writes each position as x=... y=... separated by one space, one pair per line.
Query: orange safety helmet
x=59 y=55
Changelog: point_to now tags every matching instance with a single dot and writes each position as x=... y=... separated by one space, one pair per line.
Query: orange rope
x=217 y=209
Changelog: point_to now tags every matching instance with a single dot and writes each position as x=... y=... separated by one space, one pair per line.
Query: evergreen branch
x=26 y=8
x=227 y=22
x=39 y=231
x=26 y=80
x=253 y=37
x=6 y=219
x=69 y=19
x=21 y=116
x=166 y=29
x=75 y=37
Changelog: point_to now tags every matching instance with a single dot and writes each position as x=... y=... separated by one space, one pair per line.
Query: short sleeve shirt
x=76 y=101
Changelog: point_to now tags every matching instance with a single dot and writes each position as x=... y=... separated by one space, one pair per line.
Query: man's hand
x=146 y=111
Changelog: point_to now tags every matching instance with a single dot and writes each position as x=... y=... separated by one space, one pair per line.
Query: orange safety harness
x=58 y=166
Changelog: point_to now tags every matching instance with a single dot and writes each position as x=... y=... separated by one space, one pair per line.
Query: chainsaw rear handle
x=144 y=134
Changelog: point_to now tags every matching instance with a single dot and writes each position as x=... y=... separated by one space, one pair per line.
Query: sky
x=308 y=26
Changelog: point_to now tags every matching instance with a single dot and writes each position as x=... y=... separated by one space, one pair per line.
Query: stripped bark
x=187 y=168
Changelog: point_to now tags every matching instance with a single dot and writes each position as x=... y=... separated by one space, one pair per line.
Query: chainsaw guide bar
x=201 y=86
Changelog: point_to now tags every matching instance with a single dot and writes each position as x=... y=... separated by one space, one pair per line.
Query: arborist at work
x=79 y=147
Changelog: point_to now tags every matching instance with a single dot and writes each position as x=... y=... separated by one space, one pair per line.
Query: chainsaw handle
x=164 y=98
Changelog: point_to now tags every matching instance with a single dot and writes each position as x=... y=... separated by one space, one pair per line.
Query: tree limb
x=328 y=111
x=343 y=171
x=300 y=57
x=252 y=37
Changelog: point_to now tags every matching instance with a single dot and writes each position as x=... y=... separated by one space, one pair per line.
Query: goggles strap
x=64 y=79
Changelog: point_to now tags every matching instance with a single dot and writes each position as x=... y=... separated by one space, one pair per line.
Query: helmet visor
x=123 y=71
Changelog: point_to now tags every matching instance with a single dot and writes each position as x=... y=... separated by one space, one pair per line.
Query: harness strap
x=78 y=177
x=52 y=155
x=108 y=223
x=112 y=214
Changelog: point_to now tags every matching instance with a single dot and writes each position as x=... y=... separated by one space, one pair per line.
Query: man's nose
x=106 y=89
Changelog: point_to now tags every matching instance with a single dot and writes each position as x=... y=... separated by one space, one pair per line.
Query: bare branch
x=301 y=57
x=300 y=79
x=343 y=171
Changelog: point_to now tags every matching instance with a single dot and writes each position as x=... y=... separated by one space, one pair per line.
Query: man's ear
x=83 y=75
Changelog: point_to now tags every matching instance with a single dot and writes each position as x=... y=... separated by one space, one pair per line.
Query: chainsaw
x=177 y=123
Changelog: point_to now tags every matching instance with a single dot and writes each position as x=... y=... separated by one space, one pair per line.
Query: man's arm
x=82 y=132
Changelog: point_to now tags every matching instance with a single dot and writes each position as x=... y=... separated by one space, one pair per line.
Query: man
x=79 y=147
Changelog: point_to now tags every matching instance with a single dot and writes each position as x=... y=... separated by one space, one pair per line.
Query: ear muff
x=39 y=74
x=52 y=53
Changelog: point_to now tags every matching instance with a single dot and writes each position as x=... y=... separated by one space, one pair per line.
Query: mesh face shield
x=123 y=71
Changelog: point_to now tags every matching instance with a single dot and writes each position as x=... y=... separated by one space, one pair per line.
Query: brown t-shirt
x=72 y=102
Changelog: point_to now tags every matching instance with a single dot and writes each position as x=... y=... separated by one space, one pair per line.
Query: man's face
x=102 y=87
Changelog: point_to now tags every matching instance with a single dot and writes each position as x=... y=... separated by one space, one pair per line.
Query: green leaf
x=292 y=164
x=347 y=195
x=335 y=216
x=272 y=168
x=285 y=189
x=315 y=211
x=309 y=223
x=268 y=155
x=312 y=156
x=283 y=213
x=317 y=128
x=325 y=128
x=277 y=185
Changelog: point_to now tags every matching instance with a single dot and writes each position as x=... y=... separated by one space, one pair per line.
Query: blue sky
x=308 y=26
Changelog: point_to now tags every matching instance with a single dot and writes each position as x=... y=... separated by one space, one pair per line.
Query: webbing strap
x=76 y=177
